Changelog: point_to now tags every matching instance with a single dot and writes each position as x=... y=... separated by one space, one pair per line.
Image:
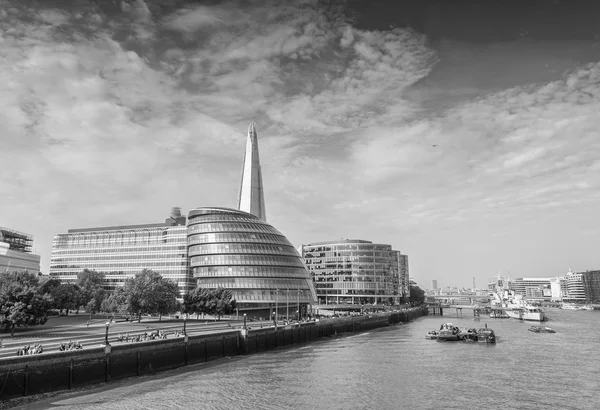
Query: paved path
x=92 y=334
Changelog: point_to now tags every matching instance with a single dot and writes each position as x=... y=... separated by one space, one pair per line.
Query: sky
x=464 y=133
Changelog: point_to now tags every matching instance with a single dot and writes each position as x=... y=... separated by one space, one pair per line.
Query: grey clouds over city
x=463 y=133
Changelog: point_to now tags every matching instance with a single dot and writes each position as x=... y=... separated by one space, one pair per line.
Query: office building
x=16 y=252
x=241 y=252
x=591 y=284
x=122 y=251
x=434 y=284
x=357 y=271
x=532 y=288
x=575 y=288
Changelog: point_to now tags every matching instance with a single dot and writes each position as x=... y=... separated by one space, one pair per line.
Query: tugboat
x=448 y=332
x=486 y=335
x=431 y=335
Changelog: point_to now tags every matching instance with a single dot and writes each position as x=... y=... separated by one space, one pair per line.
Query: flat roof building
x=122 y=251
x=357 y=271
x=16 y=252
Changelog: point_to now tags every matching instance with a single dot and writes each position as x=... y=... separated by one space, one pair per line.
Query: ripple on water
x=394 y=367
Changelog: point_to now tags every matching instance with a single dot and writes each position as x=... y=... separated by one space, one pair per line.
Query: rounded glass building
x=238 y=251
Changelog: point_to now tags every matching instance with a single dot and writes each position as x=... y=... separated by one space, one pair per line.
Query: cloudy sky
x=464 y=133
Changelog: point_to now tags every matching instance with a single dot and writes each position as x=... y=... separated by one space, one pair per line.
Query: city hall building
x=357 y=272
x=213 y=247
x=16 y=252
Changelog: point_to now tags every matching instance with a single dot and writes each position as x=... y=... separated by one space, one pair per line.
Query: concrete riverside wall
x=35 y=374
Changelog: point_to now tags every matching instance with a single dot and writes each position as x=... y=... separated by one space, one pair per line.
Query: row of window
x=264 y=271
x=121 y=249
x=253 y=283
x=224 y=218
x=341 y=256
x=102 y=244
x=231 y=227
x=242 y=248
x=232 y=237
x=245 y=260
x=152 y=258
x=112 y=266
x=273 y=297
x=347 y=247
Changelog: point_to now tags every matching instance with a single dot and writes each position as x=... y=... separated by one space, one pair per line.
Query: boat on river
x=431 y=335
x=448 y=332
x=541 y=329
x=486 y=335
x=571 y=306
x=469 y=335
x=527 y=312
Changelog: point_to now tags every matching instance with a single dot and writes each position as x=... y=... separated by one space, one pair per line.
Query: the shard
x=252 y=198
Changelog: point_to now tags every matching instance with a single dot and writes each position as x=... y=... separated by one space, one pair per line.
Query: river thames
x=388 y=368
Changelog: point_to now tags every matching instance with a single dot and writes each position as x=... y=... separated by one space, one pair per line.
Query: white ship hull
x=520 y=314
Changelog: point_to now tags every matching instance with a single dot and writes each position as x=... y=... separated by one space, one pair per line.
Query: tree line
x=26 y=299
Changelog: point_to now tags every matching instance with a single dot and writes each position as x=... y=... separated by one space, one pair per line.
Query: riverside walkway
x=92 y=333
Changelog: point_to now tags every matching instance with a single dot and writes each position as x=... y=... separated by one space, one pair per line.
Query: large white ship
x=527 y=312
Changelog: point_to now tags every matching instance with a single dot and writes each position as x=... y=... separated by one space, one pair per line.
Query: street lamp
x=106 y=334
x=287 y=305
x=276 y=306
x=184 y=323
x=298 y=305
x=244 y=321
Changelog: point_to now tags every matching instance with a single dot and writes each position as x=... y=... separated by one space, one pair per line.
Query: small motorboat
x=448 y=332
x=486 y=336
x=431 y=335
x=541 y=329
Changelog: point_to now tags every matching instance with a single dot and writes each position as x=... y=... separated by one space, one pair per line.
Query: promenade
x=92 y=333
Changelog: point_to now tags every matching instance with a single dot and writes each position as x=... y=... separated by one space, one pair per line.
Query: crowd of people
x=144 y=337
x=70 y=346
x=28 y=350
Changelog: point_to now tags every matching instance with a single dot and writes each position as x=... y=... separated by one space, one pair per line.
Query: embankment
x=55 y=371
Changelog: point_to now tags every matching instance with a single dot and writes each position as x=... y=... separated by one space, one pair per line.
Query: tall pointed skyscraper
x=252 y=198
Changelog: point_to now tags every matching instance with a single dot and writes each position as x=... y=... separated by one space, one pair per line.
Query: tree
x=66 y=296
x=21 y=303
x=115 y=303
x=224 y=302
x=148 y=292
x=417 y=295
x=92 y=290
x=196 y=301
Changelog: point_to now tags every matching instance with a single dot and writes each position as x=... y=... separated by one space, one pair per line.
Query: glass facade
x=121 y=252
x=575 y=289
x=16 y=252
x=357 y=271
x=591 y=283
x=239 y=251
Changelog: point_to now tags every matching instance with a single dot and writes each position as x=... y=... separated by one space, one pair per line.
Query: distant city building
x=357 y=271
x=16 y=252
x=122 y=251
x=434 y=284
x=533 y=288
x=251 y=198
x=558 y=288
x=575 y=288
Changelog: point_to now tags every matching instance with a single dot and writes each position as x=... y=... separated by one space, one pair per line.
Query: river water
x=388 y=368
